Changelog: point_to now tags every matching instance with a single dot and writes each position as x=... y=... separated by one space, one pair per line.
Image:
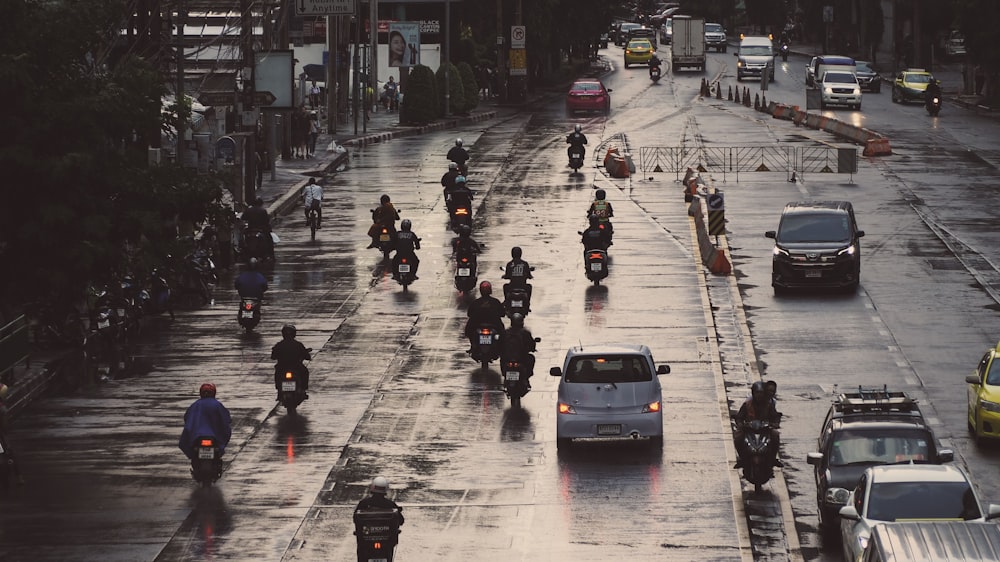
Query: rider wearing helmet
x=759 y=406
x=458 y=194
x=257 y=218
x=484 y=311
x=576 y=140
x=448 y=179
x=518 y=272
x=383 y=215
x=251 y=284
x=464 y=245
x=459 y=156
x=407 y=242
x=593 y=237
x=518 y=344
x=289 y=355
x=601 y=208
x=377 y=500
x=206 y=417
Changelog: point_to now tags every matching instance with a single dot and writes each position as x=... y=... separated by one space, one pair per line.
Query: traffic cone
x=731 y=92
x=756 y=102
x=794 y=178
x=763 y=102
x=737 y=98
x=718 y=91
x=746 y=97
x=720 y=263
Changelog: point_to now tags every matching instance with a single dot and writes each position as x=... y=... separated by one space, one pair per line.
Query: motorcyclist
x=519 y=344
x=289 y=354
x=383 y=215
x=654 y=62
x=464 y=245
x=593 y=237
x=459 y=156
x=376 y=500
x=458 y=193
x=601 y=208
x=576 y=140
x=312 y=198
x=251 y=284
x=15 y=467
x=448 y=179
x=933 y=91
x=257 y=218
x=407 y=242
x=518 y=272
x=206 y=417
x=759 y=406
x=484 y=311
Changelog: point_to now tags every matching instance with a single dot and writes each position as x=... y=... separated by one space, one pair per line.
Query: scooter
x=404 y=272
x=206 y=467
x=486 y=345
x=933 y=106
x=249 y=313
x=378 y=534
x=460 y=211
x=758 y=467
x=784 y=52
x=516 y=381
x=654 y=73
x=596 y=262
x=465 y=273
x=293 y=390
x=575 y=159
x=385 y=242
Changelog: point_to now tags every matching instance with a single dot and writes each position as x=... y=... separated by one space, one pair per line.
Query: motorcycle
x=516 y=379
x=759 y=467
x=249 y=314
x=404 y=273
x=161 y=296
x=460 y=212
x=206 y=467
x=517 y=300
x=378 y=534
x=933 y=106
x=783 y=50
x=465 y=273
x=654 y=73
x=486 y=345
x=596 y=264
x=576 y=159
x=255 y=245
x=293 y=390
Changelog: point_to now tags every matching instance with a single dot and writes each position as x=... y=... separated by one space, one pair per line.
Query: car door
x=975 y=390
x=850 y=530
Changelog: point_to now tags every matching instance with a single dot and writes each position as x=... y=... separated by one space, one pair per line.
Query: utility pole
x=245 y=105
x=357 y=65
x=373 y=58
x=501 y=73
x=447 y=58
x=179 y=95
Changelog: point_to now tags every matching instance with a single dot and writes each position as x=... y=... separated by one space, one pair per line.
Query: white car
x=908 y=492
x=609 y=392
x=841 y=88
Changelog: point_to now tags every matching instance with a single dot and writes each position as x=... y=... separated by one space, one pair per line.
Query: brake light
x=465 y=260
x=513 y=365
x=207 y=443
x=289 y=375
x=377 y=546
x=385 y=230
x=485 y=331
x=595 y=256
x=248 y=306
x=601 y=227
x=461 y=211
x=651 y=408
x=566 y=408
x=403 y=260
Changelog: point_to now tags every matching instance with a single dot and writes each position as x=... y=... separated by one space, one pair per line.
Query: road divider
x=876 y=144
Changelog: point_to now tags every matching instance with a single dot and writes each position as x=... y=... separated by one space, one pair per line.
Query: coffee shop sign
x=426 y=26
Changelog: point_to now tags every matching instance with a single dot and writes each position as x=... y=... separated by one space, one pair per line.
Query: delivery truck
x=687 y=47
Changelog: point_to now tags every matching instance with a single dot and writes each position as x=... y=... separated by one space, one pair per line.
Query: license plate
x=288 y=386
x=814 y=274
x=464 y=271
x=404 y=268
x=576 y=156
x=609 y=429
x=517 y=303
x=246 y=314
x=101 y=324
x=383 y=238
x=485 y=340
x=596 y=266
x=206 y=453
x=512 y=376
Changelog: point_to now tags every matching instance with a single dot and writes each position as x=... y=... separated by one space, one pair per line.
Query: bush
x=470 y=86
x=420 y=100
x=455 y=89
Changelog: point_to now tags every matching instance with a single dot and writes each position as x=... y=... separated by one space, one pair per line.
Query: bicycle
x=312 y=218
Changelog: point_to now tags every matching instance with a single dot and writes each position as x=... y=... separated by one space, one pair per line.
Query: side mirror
x=736 y=54
x=610 y=90
x=663 y=370
x=973 y=379
x=848 y=512
x=814 y=459
x=946 y=455
x=860 y=233
x=538 y=340
x=771 y=234
x=555 y=372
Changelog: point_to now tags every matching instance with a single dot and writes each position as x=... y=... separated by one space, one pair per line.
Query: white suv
x=840 y=88
x=609 y=392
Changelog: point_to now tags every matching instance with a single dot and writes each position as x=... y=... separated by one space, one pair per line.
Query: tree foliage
x=420 y=103
x=470 y=87
x=74 y=150
x=454 y=87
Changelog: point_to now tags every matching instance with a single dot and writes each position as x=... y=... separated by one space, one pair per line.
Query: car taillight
x=628 y=51
x=289 y=375
x=651 y=408
x=566 y=408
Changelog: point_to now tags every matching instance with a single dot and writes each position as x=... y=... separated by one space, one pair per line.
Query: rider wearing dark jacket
x=484 y=311
x=576 y=140
x=448 y=179
x=257 y=218
x=206 y=417
x=459 y=155
x=519 y=343
x=759 y=406
x=457 y=194
x=933 y=91
x=464 y=245
x=518 y=272
x=407 y=242
x=251 y=283
x=289 y=355
x=593 y=237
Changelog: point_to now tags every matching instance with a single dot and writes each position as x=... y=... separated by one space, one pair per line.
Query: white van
x=755 y=54
x=933 y=541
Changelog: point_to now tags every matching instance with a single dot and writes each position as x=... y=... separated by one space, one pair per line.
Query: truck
x=687 y=47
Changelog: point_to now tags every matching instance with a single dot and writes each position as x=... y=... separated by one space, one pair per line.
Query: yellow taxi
x=984 y=396
x=909 y=85
x=638 y=51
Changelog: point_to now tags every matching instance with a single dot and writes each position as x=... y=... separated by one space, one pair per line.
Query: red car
x=588 y=94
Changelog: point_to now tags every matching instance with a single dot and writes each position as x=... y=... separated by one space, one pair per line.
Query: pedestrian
x=483 y=80
x=314 y=95
x=15 y=467
x=313 y=133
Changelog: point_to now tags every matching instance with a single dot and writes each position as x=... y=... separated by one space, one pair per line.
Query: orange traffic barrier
x=877 y=147
x=620 y=167
x=719 y=263
x=611 y=152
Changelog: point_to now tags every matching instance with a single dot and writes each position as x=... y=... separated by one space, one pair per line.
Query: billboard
x=404 y=43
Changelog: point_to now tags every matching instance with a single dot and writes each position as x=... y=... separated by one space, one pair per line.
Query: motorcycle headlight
x=990 y=406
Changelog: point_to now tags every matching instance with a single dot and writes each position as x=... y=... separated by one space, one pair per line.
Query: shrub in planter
x=469 y=85
x=420 y=100
x=455 y=89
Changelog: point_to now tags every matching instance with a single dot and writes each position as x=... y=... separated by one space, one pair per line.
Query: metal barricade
x=14 y=347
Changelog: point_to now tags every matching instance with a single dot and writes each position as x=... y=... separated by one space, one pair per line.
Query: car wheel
x=857 y=107
x=723 y=49
x=626 y=64
x=739 y=78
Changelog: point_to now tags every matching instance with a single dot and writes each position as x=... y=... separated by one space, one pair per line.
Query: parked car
x=909 y=85
x=588 y=94
x=934 y=541
x=638 y=51
x=984 y=397
x=609 y=391
x=870 y=427
x=715 y=37
x=868 y=79
x=902 y=492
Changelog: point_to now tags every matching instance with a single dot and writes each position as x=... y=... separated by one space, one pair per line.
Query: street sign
x=325 y=7
x=716 y=202
x=263 y=98
x=518 y=34
x=217 y=99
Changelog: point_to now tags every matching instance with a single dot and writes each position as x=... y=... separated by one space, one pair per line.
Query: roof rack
x=874 y=400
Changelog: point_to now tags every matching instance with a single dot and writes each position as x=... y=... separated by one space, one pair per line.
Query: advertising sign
x=404 y=43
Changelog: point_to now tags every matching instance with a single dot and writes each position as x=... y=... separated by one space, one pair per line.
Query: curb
x=291 y=197
x=418 y=130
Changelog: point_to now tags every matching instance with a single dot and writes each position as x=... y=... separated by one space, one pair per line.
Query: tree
x=420 y=104
x=454 y=87
x=470 y=87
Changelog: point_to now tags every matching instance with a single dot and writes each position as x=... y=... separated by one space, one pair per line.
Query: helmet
x=384 y=199
x=458 y=142
x=594 y=221
x=207 y=390
x=252 y=264
x=258 y=201
x=312 y=181
x=460 y=179
x=465 y=231
x=601 y=194
x=4 y=389
x=380 y=485
x=515 y=252
x=758 y=391
x=517 y=320
x=577 y=128
x=288 y=330
x=485 y=288
x=405 y=225
x=452 y=166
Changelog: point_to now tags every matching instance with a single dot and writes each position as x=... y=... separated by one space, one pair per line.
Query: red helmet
x=485 y=288
x=207 y=390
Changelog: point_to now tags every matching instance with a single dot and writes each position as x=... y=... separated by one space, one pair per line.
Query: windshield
x=864 y=67
x=901 y=501
x=839 y=77
x=756 y=51
x=878 y=447
x=993 y=376
x=713 y=28
x=814 y=227
x=587 y=86
x=917 y=78
x=640 y=45
x=608 y=369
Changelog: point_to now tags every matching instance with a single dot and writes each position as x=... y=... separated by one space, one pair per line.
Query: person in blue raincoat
x=206 y=417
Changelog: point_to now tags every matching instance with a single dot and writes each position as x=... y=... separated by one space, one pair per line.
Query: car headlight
x=780 y=251
x=990 y=406
x=740 y=64
x=847 y=251
x=837 y=496
x=827 y=89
